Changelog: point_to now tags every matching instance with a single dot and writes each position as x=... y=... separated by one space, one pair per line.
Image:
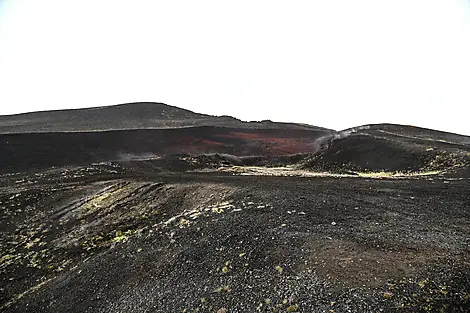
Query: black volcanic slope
x=41 y=150
x=390 y=148
x=172 y=211
x=142 y=115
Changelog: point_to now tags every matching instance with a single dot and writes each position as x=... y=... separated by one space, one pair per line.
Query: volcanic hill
x=146 y=207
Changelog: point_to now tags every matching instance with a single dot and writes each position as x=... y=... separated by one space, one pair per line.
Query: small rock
x=387 y=295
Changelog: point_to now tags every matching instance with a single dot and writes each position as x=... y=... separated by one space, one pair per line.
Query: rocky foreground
x=100 y=239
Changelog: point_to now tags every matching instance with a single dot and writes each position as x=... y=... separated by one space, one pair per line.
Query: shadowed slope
x=39 y=150
x=390 y=147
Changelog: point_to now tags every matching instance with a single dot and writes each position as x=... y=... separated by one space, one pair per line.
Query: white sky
x=329 y=63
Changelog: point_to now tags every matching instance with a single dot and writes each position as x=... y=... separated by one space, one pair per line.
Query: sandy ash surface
x=99 y=240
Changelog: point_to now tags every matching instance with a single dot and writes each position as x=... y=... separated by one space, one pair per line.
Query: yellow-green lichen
x=6 y=258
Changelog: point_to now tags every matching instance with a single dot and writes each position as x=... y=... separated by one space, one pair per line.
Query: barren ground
x=150 y=208
x=97 y=239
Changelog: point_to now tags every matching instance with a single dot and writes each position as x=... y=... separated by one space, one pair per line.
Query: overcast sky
x=329 y=63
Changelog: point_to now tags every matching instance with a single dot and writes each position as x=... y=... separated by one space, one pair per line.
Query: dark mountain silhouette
x=141 y=115
x=155 y=130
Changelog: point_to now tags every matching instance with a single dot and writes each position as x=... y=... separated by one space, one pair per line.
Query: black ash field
x=237 y=217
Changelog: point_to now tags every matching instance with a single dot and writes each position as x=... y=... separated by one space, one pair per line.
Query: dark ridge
x=40 y=150
x=140 y=115
x=138 y=109
x=412 y=132
x=146 y=130
x=369 y=151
